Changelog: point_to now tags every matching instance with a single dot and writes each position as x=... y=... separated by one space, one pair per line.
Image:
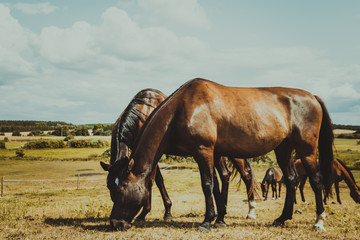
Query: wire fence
x=77 y=179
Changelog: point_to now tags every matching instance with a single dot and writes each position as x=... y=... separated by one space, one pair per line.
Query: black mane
x=126 y=127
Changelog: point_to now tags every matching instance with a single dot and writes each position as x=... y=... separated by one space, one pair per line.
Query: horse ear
x=131 y=164
x=105 y=166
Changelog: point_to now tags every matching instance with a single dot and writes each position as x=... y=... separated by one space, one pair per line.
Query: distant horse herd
x=212 y=122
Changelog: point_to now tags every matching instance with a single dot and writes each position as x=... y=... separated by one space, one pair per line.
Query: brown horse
x=272 y=177
x=208 y=120
x=339 y=173
x=125 y=131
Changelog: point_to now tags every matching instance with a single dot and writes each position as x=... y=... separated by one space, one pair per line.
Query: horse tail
x=326 y=141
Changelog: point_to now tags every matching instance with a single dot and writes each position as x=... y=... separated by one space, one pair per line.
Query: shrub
x=106 y=153
x=2 y=144
x=20 y=153
x=88 y=143
x=6 y=139
x=16 y=133
x=39 y=144
x=68 y=138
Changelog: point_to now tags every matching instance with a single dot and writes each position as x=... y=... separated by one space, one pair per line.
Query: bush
x=39 y=144
x=6 y=139
x=2 y=144
x=88 y=143
x=16 y=133
x=68 y=138
x=106 y=153
x=20 y=153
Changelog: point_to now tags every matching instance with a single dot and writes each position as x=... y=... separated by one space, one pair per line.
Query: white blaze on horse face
x=117 y=181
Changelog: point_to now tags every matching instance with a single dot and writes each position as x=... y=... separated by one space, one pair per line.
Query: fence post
x=2 y=186
x=78 y=181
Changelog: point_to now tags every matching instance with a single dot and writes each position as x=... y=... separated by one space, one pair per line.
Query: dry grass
x=57 y=210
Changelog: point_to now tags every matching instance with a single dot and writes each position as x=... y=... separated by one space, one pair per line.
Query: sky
x=83 y=61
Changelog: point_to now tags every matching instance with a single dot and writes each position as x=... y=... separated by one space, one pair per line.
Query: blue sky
x=83 y=61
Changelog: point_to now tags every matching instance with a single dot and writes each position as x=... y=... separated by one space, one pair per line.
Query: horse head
x=264 y=188
x=355 y=194
x=127 y=193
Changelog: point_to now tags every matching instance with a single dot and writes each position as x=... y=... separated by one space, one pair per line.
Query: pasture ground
x=56 y=209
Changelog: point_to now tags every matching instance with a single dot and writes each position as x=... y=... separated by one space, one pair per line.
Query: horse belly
x=245 y=143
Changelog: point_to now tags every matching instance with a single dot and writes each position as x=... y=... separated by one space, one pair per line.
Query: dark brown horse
x=340 y=172
x=272 y=177
x=208 y=120
x=125 y=131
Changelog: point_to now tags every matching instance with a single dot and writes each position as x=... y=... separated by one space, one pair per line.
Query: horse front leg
x=205 y=160
x=337 y=192
x=164 y=195
x=280 y=189
x=274 y=193
x=283 y=154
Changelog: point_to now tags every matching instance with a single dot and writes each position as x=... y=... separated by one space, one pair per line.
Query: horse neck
x=346 y=176
x=152 y=139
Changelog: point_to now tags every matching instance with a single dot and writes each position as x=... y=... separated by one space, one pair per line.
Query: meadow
x=59 y=208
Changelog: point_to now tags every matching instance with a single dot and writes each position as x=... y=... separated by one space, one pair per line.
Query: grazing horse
x=340 y=172
x=208 y=120
x=125 y=131
x=272 y=177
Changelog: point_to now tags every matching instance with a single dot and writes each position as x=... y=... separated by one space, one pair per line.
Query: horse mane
x=154 y=112
x=126 y=127
x=347 y=169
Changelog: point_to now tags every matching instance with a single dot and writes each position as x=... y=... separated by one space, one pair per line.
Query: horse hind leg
x=283 y=154
x=243 y=166
x=315 y=180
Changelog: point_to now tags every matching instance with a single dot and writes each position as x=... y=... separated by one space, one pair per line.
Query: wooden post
x=78 y=181
x=2 y=186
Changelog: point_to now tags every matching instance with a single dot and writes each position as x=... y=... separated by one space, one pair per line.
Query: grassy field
x=57 y=209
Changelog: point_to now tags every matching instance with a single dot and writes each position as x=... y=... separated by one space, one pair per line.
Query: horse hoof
x=221 y=224
x=139 y=220
x=251 y=216
x=276 y=223
x=203 y=229
x=168 y=217
x=319 y=228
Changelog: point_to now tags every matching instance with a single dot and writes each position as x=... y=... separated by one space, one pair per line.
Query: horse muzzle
x=121 y=225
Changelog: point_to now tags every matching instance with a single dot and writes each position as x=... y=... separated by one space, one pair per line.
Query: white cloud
x=37 y=8
x=185 y=12
x=14 y=42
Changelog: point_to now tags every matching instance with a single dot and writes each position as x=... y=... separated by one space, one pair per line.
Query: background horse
x=125 y=131
x=272 y=177
x=339 y=173
x=208 y=120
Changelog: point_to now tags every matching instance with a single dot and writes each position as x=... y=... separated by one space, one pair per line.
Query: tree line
x=57 y=128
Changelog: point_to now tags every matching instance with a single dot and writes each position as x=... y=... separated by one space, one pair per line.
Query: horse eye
x=117 y=181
